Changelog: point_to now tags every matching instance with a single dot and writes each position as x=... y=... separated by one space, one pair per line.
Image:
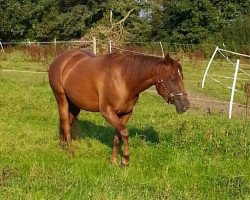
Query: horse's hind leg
x=73 y=112
x=63 y=109
x=62 y=137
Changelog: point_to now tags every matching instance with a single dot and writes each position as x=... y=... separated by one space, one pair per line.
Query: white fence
x=92 y=42
x=237 y=65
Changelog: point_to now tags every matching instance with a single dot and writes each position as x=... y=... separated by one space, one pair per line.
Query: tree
x=191 y=21
x=48 y=19
x=187 y=21
x=16 y=19
x=64 y=20
x=121 y=22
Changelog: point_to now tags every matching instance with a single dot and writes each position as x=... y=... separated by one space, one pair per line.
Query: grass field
x=189 y=156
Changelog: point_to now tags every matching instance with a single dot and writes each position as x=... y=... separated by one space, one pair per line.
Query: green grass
x=188 y=156
x=21 y=60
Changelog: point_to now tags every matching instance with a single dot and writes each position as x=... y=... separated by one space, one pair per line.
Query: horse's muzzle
x=182 y=105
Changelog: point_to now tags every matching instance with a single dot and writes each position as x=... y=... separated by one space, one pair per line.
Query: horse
x=111 y=85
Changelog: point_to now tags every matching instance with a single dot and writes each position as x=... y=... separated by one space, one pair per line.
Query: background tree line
x=186 y=21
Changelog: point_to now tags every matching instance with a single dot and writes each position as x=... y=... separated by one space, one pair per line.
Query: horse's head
x=169 y=84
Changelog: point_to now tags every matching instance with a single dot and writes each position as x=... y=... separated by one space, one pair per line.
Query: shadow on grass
x=86 y=129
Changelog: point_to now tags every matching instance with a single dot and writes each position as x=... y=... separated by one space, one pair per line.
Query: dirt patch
x=209 y=105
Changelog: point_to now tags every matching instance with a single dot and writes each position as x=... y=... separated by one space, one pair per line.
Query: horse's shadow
x=105 y=134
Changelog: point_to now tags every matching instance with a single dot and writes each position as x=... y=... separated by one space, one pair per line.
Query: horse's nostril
x=184 y=108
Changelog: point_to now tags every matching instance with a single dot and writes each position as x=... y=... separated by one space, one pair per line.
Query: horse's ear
x=167 y=59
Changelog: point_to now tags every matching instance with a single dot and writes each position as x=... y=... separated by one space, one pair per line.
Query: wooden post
x=1 y=46
x=110 y=46
x=94 y=45
x=55 y=46
x=29 y=45
x=162 y=50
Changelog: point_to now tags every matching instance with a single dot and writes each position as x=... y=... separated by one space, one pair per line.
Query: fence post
x=205 y=74
x=29 y=45
x=1 y=46
x=110 y=46
x=162 y=50
x=233 y=88
x=94 y=45
x=55 y=46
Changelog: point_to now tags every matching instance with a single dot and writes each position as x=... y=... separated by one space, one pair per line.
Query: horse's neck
x=143 y=83
x=142 y=86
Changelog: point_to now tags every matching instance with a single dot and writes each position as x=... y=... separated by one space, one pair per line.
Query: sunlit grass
x=188 y=156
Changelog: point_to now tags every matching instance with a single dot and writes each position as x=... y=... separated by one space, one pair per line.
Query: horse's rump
x=71 y=73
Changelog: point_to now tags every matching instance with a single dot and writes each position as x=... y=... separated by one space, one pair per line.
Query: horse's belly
x=84 y=98
x=124 y=105
x=85 y=103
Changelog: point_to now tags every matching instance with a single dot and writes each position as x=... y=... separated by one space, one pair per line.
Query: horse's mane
x=134 y=65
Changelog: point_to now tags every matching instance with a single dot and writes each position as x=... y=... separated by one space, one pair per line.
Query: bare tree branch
x=119 y=22
x=124 y=18
x=111 y=18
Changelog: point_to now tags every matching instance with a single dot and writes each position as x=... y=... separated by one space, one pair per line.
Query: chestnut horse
x=111 y=85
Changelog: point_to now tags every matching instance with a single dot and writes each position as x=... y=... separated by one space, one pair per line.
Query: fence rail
x=193 y=51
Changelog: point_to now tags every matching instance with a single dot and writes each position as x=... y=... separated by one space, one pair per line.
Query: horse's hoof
x=114 y=162
x=124 y=163
x=71 y=154
x=62 y=145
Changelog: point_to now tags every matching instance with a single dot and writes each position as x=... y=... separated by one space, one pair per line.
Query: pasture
x=196 y=155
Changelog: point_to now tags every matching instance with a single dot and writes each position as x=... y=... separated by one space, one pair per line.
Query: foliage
x=193 y=21
x=234 y=36
x=46 y=20
x=169 y=21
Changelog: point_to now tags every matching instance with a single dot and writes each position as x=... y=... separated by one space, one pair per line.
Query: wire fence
x=188 y=52
x=100 y=47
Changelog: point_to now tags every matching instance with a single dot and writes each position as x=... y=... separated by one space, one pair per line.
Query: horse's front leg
x=115 y=121
x=125 y=156
x=117 y=139
x=124 y=119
